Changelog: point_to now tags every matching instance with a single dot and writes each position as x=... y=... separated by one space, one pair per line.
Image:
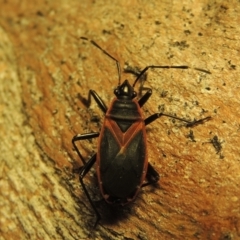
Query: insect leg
x=152 y=176
x=155 y=116
x=79 y=137
x=98 y=100
x=87 y=166
x=145 y=97
x=84 y=170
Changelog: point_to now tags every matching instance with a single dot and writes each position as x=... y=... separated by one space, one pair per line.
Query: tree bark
x=44 y=67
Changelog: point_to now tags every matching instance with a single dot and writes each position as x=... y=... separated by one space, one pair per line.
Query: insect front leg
x=145 y=97
x=98 y=100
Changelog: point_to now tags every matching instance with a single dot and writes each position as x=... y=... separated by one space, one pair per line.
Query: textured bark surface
x=43 y=68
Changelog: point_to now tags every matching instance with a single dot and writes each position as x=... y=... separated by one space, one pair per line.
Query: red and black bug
x=121 y=157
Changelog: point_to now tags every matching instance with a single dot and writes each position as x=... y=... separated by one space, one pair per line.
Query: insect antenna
x=155 y=66
x=109 y=55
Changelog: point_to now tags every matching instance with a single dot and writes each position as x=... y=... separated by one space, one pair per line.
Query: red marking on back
x=123 y=138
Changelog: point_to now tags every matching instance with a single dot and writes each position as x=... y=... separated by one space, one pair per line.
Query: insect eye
x=116 y=91
x=134 y=94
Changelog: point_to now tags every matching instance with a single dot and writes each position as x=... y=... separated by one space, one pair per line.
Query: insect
x=121 y=159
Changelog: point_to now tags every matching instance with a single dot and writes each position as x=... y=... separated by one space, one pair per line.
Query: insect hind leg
x=152 y=176
x=84 y=170
x=86 y=167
